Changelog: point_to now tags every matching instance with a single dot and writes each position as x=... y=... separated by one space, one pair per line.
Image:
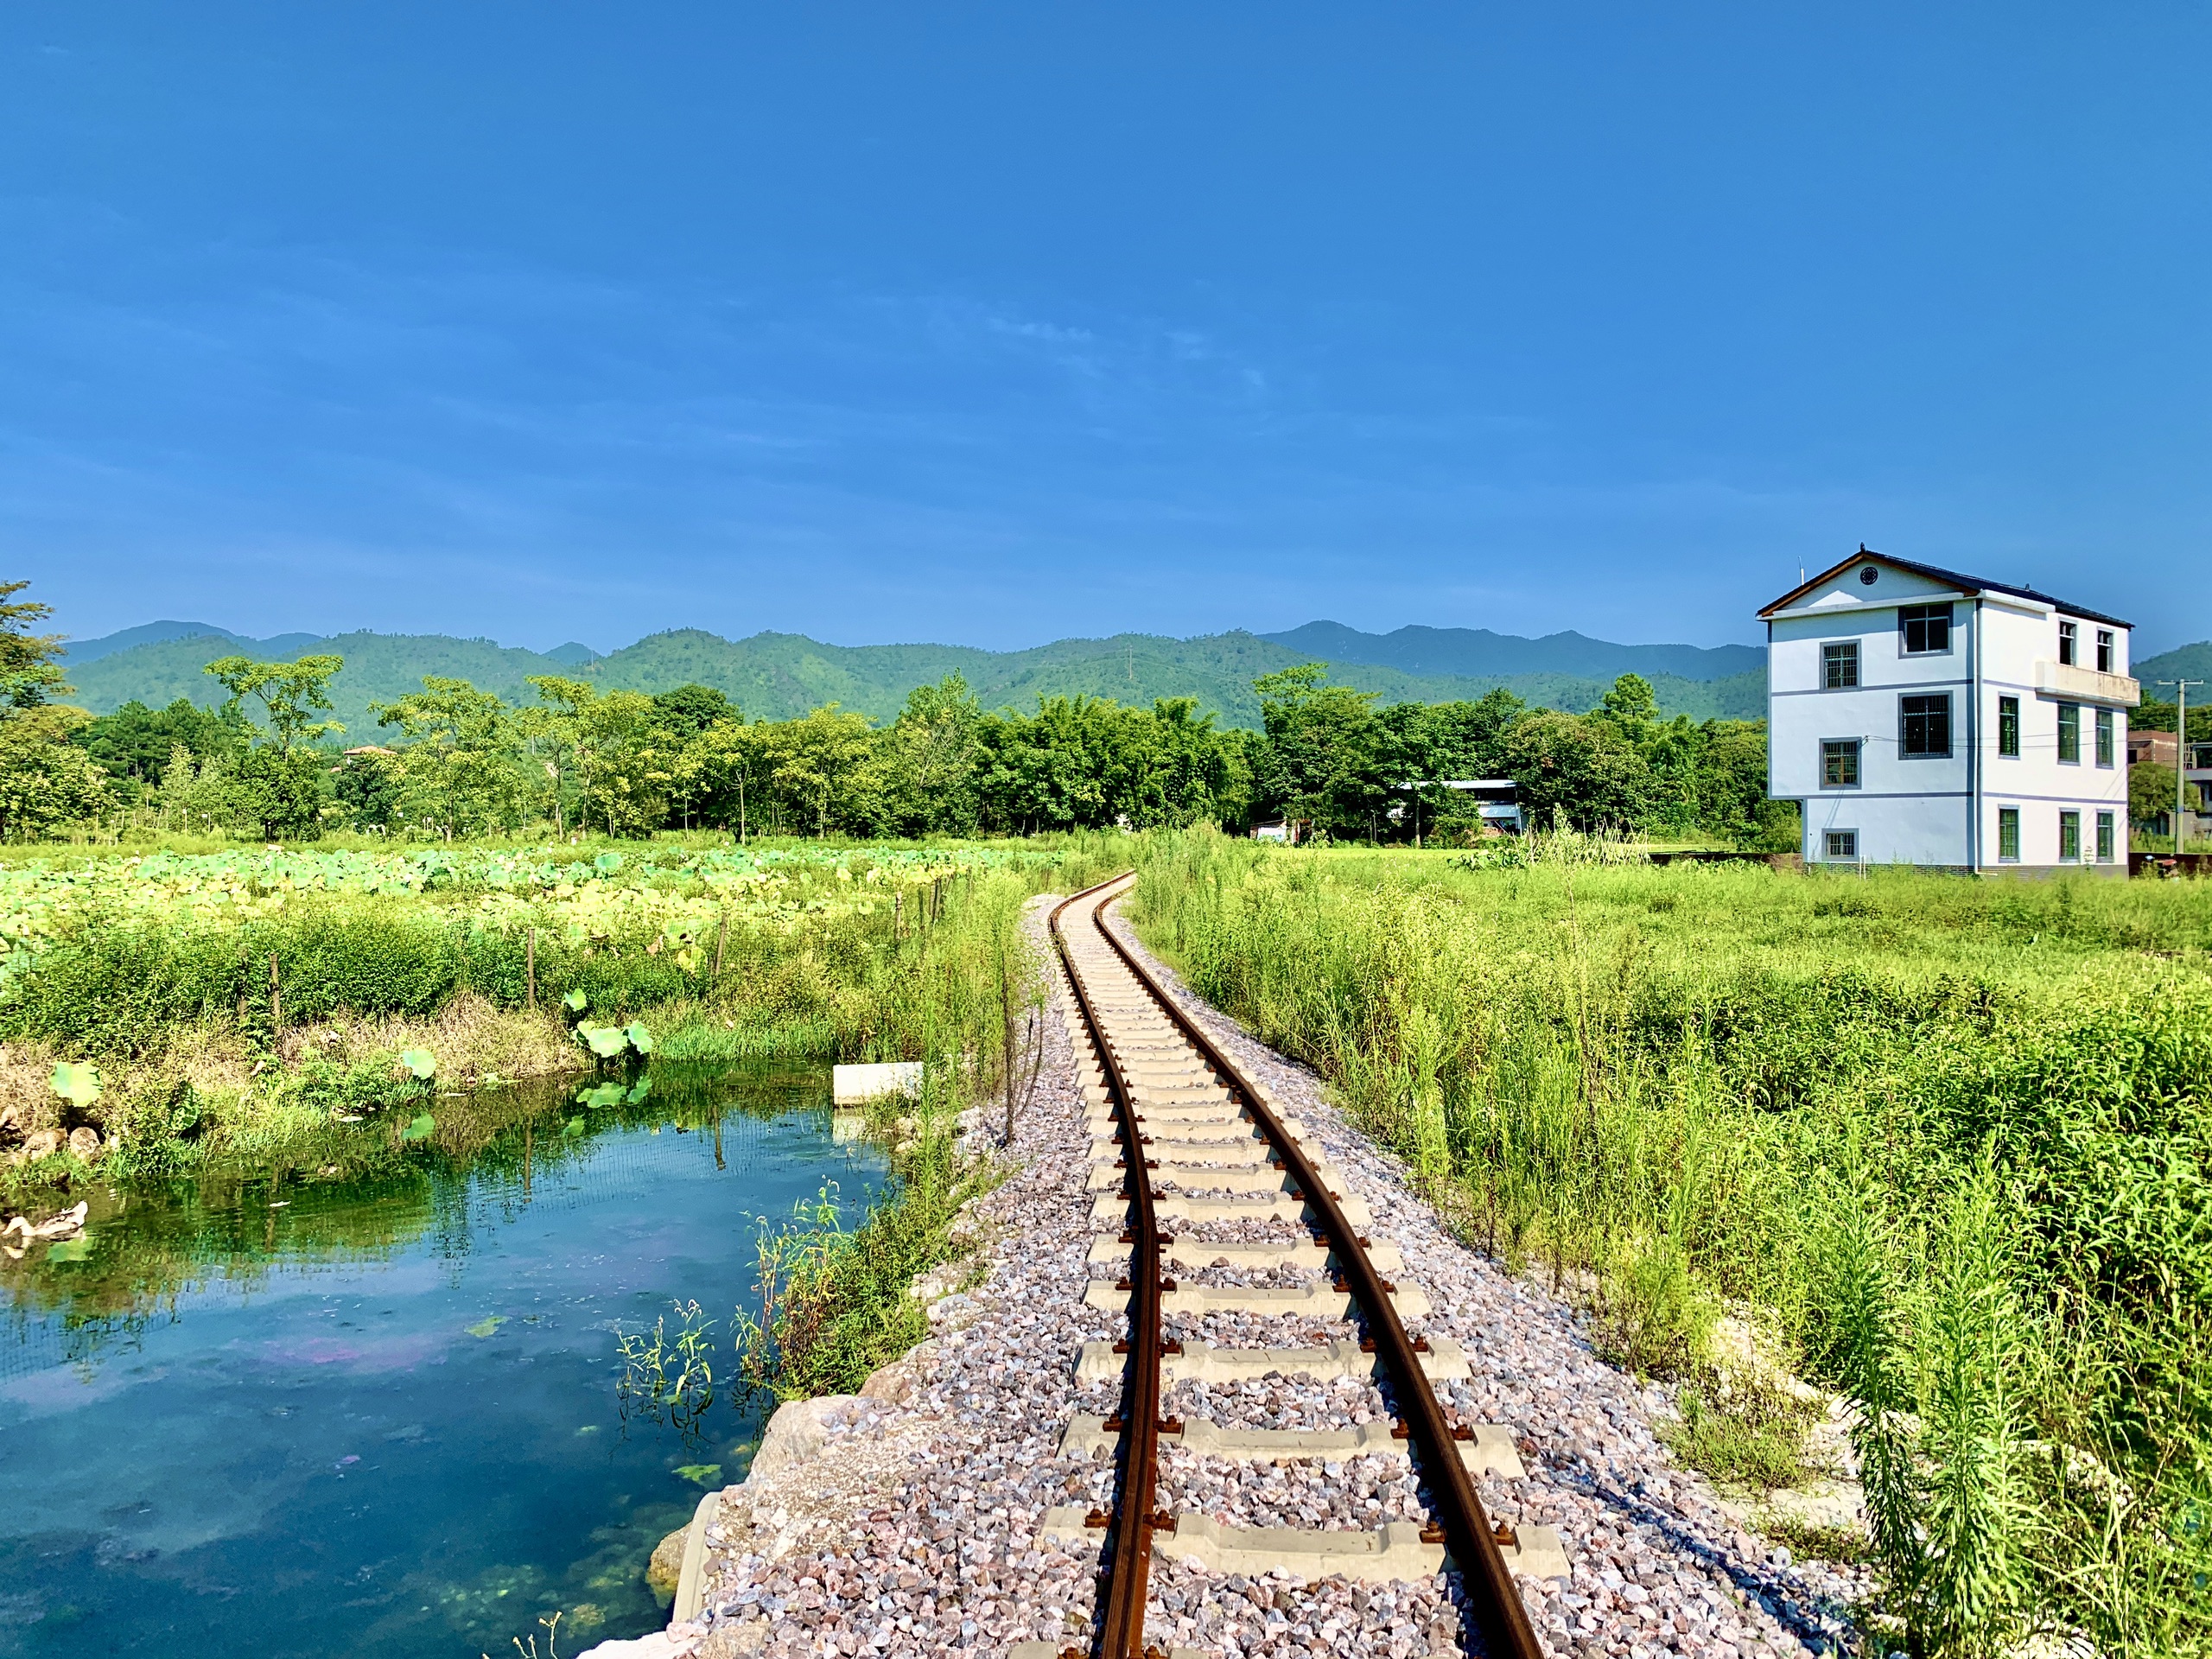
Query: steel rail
x=1126 y=1566
x=1499 y=1617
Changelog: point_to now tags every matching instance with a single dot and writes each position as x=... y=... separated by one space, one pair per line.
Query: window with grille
x=2069 y=837
x=1926 y=628
x=1843 y=843
x=2104 y=737
x=2069 y=734
x=1839 y=664
x=1924 y=725
x=2070 y=639
x=1840 y=763
x=2008 y=834
x=2008 y=726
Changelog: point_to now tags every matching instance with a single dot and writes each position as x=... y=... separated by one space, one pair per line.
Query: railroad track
x=1183 y=1144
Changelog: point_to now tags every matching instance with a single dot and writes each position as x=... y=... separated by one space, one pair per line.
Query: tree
x=1325 y=761
x=625 y=764
x=823 y=771
x=290 y=695
x=553 y=736
x=2150 y=792
x=281 y=776
x=690 y=710
x=1583 y=768
x=136 y=741
x=456 y=771
x=45 y=781
x=930 y=753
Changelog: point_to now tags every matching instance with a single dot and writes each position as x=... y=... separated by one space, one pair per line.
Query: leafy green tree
x=1583 y=768
x=456 y=771
x=727 y=769
x=367 y=788
x=823 y=774
x=688 y=709
x=552 y=733
x=931 y=753
x=2150 y=792
x=136 y=741
x=281 y=776
x=625 y=764
x=45 y=781
x=1326 y=763
x=290 y=695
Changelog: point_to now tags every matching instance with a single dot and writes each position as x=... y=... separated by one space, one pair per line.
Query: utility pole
x=2181 y=750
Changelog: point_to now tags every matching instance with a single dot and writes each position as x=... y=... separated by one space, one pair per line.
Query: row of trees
x=452 y=760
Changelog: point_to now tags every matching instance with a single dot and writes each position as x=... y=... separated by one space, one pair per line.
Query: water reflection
x=365 y=1401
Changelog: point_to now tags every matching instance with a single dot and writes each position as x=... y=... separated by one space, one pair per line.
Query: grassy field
x=1944 y=1142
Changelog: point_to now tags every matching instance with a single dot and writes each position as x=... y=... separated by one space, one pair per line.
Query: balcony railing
x=2066 y=682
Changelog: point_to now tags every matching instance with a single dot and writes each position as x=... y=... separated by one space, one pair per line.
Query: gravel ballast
x=914 y=1527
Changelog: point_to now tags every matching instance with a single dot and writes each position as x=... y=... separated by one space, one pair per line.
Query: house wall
x=1929 y=810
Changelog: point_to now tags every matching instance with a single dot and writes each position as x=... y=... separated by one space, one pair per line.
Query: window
x=1842 y=843
x=1839 y=665
x=2104 y=838
x=2069 y=734
x=2104 y=651
x=2069 y=642
x=2008 y=726
x=2104 y=738
x=1926 y=628
x=1840 y=763
x=2008 y=834
x=1924 y=725
x=2069 y=837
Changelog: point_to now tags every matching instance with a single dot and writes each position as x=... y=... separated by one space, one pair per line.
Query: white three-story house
x=1920 y=716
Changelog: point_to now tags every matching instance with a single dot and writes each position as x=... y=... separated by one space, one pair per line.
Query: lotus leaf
x=420 y=1129
x=640 y=1039
x=575 y=1001
x=605 y=1041
x=605 y=1094
x=639 y=1090
x=78 y=1085
x=574 y=1126
x=421 y=1061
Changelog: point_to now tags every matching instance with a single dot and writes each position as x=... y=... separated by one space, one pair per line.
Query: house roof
x=1959 y=580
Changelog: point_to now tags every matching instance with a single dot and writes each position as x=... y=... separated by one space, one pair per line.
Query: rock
x=795 y=1434
x=737 y=1641
x=666 y=1566
x=43 y=1144
x=86 y=1143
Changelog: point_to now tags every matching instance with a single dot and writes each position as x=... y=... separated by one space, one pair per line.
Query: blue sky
x=993 y=324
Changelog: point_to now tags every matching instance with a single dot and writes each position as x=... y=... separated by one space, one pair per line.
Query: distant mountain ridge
x=778 y=676
x=1473 y=652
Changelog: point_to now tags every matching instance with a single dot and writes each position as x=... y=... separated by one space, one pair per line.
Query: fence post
x=529 y=970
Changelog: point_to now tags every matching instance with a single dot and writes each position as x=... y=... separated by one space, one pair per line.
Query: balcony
x=2064 y=682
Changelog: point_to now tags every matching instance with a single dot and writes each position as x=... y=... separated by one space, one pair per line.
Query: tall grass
x=1947 y=1139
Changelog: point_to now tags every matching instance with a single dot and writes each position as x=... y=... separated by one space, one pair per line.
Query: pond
x=373 y=1406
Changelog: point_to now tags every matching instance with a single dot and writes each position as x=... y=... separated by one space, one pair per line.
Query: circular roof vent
x=1867 y=573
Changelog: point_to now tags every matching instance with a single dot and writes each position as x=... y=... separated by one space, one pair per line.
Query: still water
x=371 y=1407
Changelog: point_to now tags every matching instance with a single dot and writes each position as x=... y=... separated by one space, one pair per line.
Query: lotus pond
x=383 y=1407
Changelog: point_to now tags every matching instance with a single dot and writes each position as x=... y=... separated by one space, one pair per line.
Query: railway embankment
x=931 y=1511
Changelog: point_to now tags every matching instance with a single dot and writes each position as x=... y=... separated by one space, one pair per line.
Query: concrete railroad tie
x=1445 y=1361
x=1492 y=1451
x=1314 y=1301
x=1393 y=1551
x=1113 y=1209
x=1193 y=1253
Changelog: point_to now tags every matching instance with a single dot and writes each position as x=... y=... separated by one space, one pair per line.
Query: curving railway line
x=1183 y=1147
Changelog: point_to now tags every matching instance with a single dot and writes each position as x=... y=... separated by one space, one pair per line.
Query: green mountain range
x=778 y=676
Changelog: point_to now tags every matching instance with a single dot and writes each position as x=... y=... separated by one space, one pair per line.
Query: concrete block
x=855 y=1085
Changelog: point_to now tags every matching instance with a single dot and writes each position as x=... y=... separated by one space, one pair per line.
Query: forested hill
x=778 y=676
